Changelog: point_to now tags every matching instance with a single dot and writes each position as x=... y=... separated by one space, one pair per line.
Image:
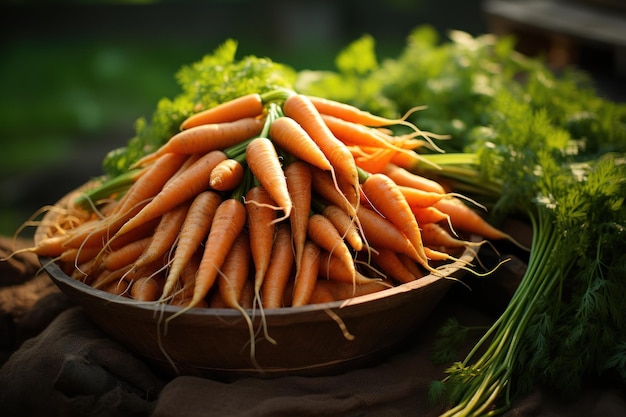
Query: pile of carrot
x=276 y=200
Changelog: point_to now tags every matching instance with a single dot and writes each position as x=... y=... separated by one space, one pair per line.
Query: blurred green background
x=75 y=76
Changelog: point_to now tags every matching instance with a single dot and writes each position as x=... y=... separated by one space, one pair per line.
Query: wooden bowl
x=309 y=339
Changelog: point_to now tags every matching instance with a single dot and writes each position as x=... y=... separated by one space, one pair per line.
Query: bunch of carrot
x=271 y=200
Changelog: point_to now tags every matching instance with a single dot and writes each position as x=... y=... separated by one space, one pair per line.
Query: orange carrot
x=183 y=188
x=249 y=105
x=260 y=219
x=234 y=272
x=280 y=268
x=386 y=197
x=164 y=236
x=298 y=176
x=227 y=175
x=381 y=233
x=186 y=280
x=305 y=280
x=344 y=225
x=127 y=254
x=390 y=264
x=145 y=289
x=330 y=291
x=263 y=161
x=50 y=246
x=206 y=138
x=300 y=108
x=193 y=231
x=434 y=235
x=429 y=215
x=375 y=161
x=466 y=219
x=228 y=222
x=334 y=268
x=323 y=233
x=324 y=187
x=287 y=134
x=402 y=176
x=419 y=198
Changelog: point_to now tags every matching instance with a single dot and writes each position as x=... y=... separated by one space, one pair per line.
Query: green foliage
x=216 y=78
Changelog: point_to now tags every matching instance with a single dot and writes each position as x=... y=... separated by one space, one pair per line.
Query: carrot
x=429 y=215
x=126 y=255
x=306 y=279
x=298 y=176
x=300 y=108
x=434 y=235
x=375 y=161
x=149 y=184
x=287 y=134
x=381 y=233
x=325 y=188
x=249 y=105
x=390 y=264
x=280 y=268
x=334 y=268
x=263 y=161
x=76 y=255
x=117 y=287
x=186 y=280
x=261 y=224
x=164 y=237
x=331 y=291
x=344 y=225
x=234 y=272
x=227 y=175
x=402 y=176
x=50 y=246
x=228 y=222
x=193 y=231
x=145 y=289
x=183 y=188
x=353 y=114
x=387 y=198
x=464 y=218
x=323 y=233
x=206 y=138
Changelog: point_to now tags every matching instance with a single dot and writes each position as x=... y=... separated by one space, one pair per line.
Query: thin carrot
x=263 y=161
x=402 y=176
x=287 y=134
x=464 y=218
x=306 y=279
x=227 y=175
x=300 y=108
x=51 y=246
x=193 y=231
x=381 y=233
x=375 y=161
x=344 y=225
x=429 y=215
x=186 y=280
x=183 y=188
x=249 y=105
x=390 y=264
x=127 y=254
x=334 y=268
x=206 y=138
x=261 y=218
x=323 y=233
x=298 y=176
x=228 y=222
x=434 y=235
x=280 y=268
x=234 y=272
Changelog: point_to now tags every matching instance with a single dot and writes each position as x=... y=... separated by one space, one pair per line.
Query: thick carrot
x=387 y=198
x=50 y=246
x=249 y=105
x=345 y=225
x=299 y=178
x=228 y=222
x=300 y=108
x=263 y=161
x=402 y=176
x=261 y=218
x=146 y=289
x=280 y=268
x=186 y=280
x=325 y=188
x=227 y=175
x=330 y=291
x=193 y=231
x=375 y=161
x=434 y=235
x=305 y=280
x=206 y=138
x=184 y=187
x=429 y=215
x=323 y=233
x=287 y=134
x=127 y=254
x=234 y=272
